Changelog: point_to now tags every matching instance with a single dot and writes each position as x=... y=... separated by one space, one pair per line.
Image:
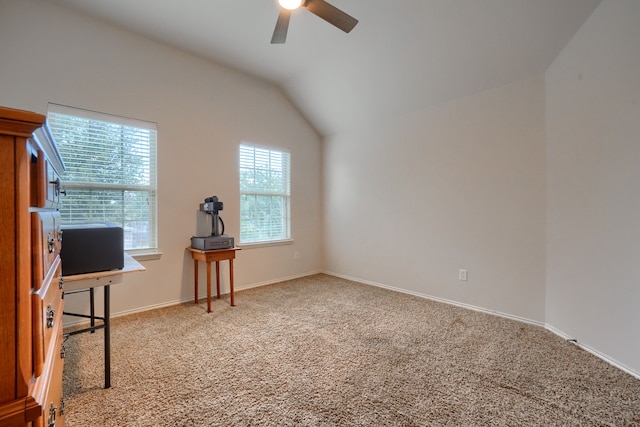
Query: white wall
x=203 y=111
x=593 y=166
x=411 y=200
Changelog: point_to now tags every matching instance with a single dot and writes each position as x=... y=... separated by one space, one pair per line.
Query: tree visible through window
x=110 y=172
x=264 y=194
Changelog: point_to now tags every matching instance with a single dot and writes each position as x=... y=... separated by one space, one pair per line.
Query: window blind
x=110 y=172
x=265 y=191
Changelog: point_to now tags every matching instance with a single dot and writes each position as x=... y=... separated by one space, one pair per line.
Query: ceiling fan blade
x=282 y=25
x=331 y=14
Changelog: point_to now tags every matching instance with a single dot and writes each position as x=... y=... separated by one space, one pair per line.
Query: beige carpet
x=322 y=351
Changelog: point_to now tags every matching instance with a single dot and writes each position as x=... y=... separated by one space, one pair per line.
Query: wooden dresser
x=31 y=353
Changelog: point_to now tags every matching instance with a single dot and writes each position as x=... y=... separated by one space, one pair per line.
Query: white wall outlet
x=462 y=274
x=296 y=255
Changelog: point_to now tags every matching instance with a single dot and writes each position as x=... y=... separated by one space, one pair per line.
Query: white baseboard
x=593 y=351
x=282 y=279
x=546 y=326
x=444 y=300
x=82 y=321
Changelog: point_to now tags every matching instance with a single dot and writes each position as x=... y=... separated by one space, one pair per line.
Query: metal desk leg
x=92 y=309
x=107 y=338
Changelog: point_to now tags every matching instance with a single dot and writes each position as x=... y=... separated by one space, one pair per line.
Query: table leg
x=107 y=338
x=231 y=280
x=218 y=278
x=195 y=280
x=92 y=309
x=208 y=287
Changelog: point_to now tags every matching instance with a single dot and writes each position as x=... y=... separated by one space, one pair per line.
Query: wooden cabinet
x=31 y=354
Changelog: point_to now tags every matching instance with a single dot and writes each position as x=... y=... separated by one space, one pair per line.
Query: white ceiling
x=403 y=54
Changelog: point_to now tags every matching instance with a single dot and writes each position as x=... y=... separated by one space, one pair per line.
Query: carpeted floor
x=322 y=351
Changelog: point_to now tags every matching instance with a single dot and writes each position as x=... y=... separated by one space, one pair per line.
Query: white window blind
x=265 y=194
x=110 y=172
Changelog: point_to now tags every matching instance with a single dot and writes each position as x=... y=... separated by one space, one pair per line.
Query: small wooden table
x=216 y=255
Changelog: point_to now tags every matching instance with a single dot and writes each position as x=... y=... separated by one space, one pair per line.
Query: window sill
x=265 y=244
x=145 y=255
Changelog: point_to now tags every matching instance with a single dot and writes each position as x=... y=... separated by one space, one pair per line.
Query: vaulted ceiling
x=403 y=54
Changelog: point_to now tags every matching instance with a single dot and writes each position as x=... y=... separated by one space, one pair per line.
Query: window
x=264 y=194
x=111 y=172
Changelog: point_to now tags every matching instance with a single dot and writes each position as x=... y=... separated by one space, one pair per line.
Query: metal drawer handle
x=50 y=315
x=52 y=415
x=57 y=185
x=60 y=281
x=52 y=243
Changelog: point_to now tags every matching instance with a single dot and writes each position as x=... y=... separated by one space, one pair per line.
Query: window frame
x=287 y=237
x=148 y=167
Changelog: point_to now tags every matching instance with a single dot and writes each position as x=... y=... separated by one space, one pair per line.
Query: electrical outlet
x=462 y=274
x=296 y=255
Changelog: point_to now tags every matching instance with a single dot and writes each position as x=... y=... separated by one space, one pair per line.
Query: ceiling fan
x=320 y=8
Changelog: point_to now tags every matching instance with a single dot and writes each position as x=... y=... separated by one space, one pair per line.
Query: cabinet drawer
x=48 y=184
x=47 y=316
x=51 y=385
x=54 y=187
x=46 y=243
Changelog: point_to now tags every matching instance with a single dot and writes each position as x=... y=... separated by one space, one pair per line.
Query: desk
x=208 y=257
x=89 y=281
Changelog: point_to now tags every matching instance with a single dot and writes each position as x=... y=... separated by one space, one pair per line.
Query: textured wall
x=593 y=158
x=411 y=200
x=203 y=111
